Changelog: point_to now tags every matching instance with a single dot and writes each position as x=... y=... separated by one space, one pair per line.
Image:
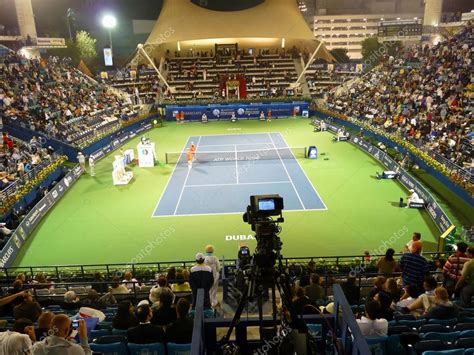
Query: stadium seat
x=95 y=334
x=445 y=352
x=413 y=323
x=447 y=322
x=104 y=325
x=468 y=333
x=377 y=344
x=119 y=332
x=429 y=328
x=425 y=345
x=400 y=317
x=464 y=343
x=397 y=329
x=148 y=349
x=110 y=339
x=448 y=337
x=464 y=326
x=178 y=349
x=113 y=348
x=469 y=351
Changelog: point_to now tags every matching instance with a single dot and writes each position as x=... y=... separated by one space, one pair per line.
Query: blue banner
x=241 y=111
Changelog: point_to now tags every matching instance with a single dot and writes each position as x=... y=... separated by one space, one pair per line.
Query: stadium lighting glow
x=109 y=21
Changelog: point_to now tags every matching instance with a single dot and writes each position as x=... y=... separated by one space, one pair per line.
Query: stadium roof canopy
x=184 y=25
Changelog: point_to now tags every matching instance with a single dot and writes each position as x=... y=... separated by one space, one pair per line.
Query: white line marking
x=284 y=167
x=185 y=180
x=238 y=144
x=236 y=165
x=231 y=213
x=169 y=179
x=242 y=183
x=304 y=172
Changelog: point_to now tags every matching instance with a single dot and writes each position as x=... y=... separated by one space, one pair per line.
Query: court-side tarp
x=241 y=111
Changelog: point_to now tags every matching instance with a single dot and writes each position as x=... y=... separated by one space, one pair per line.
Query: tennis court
x=230 y=168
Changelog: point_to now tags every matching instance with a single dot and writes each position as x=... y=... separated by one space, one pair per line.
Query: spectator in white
x=204 y=117
x=370 y=325
x=92 y=166
x=213 y=262
x=129 y=280
x=58 y=342
x=323 y=126
x=413 y=197
x=201 y=277
x=82 y=161
x=4 y=230
x=19 y=340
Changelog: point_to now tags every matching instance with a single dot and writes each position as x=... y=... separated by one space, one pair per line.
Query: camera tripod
x=264 y=276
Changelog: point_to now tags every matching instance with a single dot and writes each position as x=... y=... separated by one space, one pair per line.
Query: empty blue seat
x=413 y=323
x=469 y=351
x=469 y=333
x=148 y=349
x=464 y=326
x=119 y=332
x=447 y=322
x=450 y=337
x=113 y=348
x=178 y=349
x=428 y=328
x=445 y=352
x=99 y=333
x=377 y=344
x=104 y=325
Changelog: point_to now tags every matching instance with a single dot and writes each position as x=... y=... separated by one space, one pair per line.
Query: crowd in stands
x=52 y=97
x=409 y=286
x=201 y=76
x=43 y=325
x=424 y=95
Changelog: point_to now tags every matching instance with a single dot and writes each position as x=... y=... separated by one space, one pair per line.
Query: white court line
x=235 y=134
x=185 y=180
x=284 y=167
x=242 y=183
x=169 y=179
x=230 y=213
x=236 y=165
x=238 y=144
x=304 y=172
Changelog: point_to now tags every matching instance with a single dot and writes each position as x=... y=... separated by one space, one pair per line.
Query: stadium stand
x=53 y=98
x=424 y=95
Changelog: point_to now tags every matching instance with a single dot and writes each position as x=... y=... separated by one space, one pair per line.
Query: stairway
x=299 y=69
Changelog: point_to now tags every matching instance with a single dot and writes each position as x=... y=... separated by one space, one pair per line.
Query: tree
x=85 y=46
x=371 y=50
x=340 y=54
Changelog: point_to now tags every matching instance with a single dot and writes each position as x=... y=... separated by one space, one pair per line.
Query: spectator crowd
x=424 y=95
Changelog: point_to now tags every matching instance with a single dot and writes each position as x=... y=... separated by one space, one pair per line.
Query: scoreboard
x=402 y=30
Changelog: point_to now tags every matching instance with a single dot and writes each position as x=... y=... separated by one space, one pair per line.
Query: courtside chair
x=110 y=349
x=178 y=349
x=146 y=349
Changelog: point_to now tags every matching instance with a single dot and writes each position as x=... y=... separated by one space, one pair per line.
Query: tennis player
x=189 y=157
x=192 y=149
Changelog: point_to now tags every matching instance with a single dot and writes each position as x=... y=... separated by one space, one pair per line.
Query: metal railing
x=11 y=189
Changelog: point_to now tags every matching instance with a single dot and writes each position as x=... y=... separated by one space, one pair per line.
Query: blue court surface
x=228 y=169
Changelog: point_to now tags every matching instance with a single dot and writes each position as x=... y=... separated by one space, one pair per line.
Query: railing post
x=197 y=344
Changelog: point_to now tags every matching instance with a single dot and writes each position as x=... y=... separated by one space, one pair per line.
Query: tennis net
x=242 y=155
